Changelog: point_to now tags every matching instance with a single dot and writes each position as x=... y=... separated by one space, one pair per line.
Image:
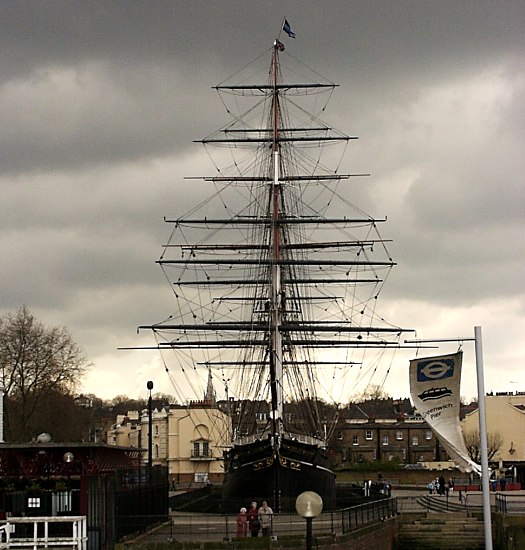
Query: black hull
x=255 y=471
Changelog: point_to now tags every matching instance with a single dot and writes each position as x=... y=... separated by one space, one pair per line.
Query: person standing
x=242 y=523
x=265 y=517
x=441 y=485
x=253 y=520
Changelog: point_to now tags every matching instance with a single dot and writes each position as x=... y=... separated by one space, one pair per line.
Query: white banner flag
x=434 y=388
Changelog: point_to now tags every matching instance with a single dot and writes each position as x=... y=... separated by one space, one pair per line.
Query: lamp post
x=68 y=458
x=149 y=385
x=309 y=505
x=2 y=414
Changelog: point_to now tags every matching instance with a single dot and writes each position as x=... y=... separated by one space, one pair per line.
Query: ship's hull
x=257 y=471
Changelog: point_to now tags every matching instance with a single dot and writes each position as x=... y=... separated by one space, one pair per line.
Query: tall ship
x=276 y=277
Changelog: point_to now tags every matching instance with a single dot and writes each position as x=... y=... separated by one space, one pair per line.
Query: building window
x=415 y=440
x=399 y=435
x=156 y=431
x=428 y=435
x=368 y=435
x=62 y=501
x=355 y=440
x=201 y=449
x=385 y=440
x=33 y=502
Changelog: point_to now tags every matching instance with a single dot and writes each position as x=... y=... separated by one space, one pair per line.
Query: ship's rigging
x=277 y=280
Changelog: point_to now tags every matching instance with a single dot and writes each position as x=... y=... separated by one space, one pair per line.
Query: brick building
x=385 y=430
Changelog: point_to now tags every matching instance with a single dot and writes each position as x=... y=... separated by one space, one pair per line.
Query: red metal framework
x=64 y=459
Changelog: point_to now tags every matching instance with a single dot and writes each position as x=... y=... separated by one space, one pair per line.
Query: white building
x=188 y=439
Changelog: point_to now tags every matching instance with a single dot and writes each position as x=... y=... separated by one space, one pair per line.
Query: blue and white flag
x=287 y=29
x=434 y=389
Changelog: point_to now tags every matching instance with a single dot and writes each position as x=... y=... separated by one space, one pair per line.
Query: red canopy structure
x=47 y=460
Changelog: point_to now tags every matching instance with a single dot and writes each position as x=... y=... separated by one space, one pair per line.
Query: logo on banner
x=435 y=393
x=435 y=369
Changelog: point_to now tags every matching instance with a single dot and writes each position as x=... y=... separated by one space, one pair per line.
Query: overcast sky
x=100 y=103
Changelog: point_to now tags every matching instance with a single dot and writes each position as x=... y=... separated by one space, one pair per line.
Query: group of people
x=255 y=520
x=494 y=482
x=440 y=486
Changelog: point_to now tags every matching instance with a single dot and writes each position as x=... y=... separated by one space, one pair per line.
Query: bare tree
x=373 y=392
x=473 y=444
x=34 y=361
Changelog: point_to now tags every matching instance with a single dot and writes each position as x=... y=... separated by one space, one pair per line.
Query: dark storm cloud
x=91 y=83
x=100 y=102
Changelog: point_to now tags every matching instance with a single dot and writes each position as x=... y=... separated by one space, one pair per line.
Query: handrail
x=510 y=504
x=39 y=535
x=188 y=526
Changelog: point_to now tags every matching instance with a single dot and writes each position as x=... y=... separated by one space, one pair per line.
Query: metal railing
x=510 y=504
x=459 y=501
x=455 y=502
x=44 y=532
x=190 y=526
x=358 y=516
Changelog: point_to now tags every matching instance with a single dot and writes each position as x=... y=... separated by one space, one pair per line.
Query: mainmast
x=276 y=345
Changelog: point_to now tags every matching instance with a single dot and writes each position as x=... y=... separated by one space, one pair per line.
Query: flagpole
x=483 y=439
x=281 y=28
x=487 y=523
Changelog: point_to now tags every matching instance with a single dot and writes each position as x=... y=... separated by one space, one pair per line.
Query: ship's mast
x=276 y=347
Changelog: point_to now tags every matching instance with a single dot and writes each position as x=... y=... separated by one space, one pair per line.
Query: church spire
x=209 y=396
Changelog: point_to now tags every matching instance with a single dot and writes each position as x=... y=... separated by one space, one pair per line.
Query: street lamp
x=68 y=459
x=149 y=385
x=309 y=505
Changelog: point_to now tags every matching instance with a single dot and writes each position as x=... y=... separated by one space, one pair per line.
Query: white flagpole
x=487 y=523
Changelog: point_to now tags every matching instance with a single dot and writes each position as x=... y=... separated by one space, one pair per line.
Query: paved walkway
x=189 y=526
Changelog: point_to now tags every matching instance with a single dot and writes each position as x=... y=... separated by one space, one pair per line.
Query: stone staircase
x=439 y=531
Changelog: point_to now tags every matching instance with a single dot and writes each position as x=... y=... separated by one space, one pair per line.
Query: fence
x=189 y=526
x=44 y=532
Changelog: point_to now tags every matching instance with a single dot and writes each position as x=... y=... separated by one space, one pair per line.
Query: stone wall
x=508 y=531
